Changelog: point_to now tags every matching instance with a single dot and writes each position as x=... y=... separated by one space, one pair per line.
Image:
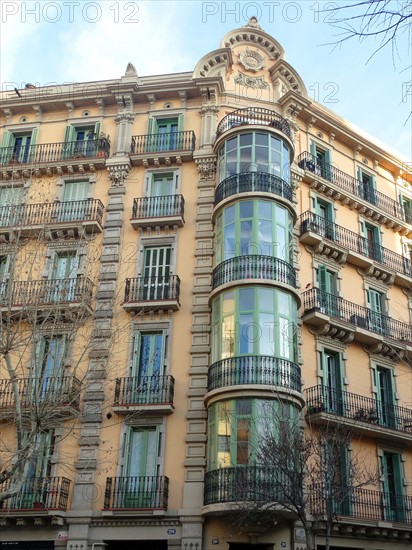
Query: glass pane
x=266 y=341
x=228 y=302
x=245 y=159
x=243 y=439
x=265 y=210
x=246 y=299
x=228 y=336
x=266 y=299
x=246 y=209
x=281 y=215
x=261 y=139
x=229 y=215
x=229 y=244
x=245 y=237
x=283 y=303
x=243 y=407
x=247 y=333
x=231 y=144
x=245 y=139
x=265 y=238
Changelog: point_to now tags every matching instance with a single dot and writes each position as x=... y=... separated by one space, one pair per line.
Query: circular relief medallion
x=251 y=60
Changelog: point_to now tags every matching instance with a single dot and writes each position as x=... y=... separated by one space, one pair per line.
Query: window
x=165 y=134
x=62 y=287
x=336 y=475
x=75 y=194
x=321 y=161
x=156 y=272
x=10 y=200
x=254 y=152
x=367 y=186
x=36 y=489
x=255 y=321
x=371 y=242
x=328 y=291
x=332 y=380
x=80 y=141
x=50 y=355
x=256 y=228
x=376 y=304
x=393 y=500
x=161 y=188
x=384 y=390
x=141 y=467
x=325 y=218
x=148 y=366
x=406 y=203
x=17 y=146
x=235 y=428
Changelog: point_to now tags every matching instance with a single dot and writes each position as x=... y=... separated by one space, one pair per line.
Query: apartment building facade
x=200 y=257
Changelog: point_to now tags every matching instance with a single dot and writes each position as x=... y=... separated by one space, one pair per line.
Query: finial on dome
x=253 y=22
x=130 y=70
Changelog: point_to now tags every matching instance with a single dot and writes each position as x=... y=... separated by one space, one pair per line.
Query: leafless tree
x=383 y=20
x=310 y=475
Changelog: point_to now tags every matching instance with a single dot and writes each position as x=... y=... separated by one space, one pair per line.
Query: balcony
x=174 y=147
x=38 y=494
x=84 y=216
x=242 y=484
x=136 y=493
x=143 y=293
x=255 y=268
x=72 y=296
x=253 y=370
x=364 y=504
x=347 y=189
x=144 y=394
x=254 y=116
x=158 y=211
x=253 y=182
x=340 y=318
x=54 y=158
x=342 y=244
x=364 y=414
x=60 y=393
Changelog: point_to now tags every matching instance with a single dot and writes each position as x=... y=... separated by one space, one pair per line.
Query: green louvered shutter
x=7 y=142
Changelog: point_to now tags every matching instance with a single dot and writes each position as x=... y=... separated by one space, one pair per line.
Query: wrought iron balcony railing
x=39 y=493
x=57 y=390
x=149 y=492
x=358 y=408
x=145 y=390
x=267 y=268
x=254 y=116
x=252 y=370
x=48 y=214
x=152 y=289
x=243 y=484
x=361 y=503
x=253 y=182
x=55 y=152
x=343 y=180
x=50 y=292
x=157 y=143
x=158 y=207
x=315 y=300
x=355 y=243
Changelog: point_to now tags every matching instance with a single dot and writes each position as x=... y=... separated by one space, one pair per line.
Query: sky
x=46 y=42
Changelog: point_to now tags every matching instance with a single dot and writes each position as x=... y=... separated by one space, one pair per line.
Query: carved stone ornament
x=206 y=168
x=118 y=174
x=251 y=60
x=253 y=22
x=251 y=81
x=130 y=70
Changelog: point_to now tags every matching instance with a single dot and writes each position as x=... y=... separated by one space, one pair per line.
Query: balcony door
x=385 y=401
x=50 y=353
x=167 y=134
x=156 y=272
x=322 y=160
x=73 y=206
x=332 y=382
x=376 y=304
x=325 y=225
x=371 y=243
x=367 y=186
x=393 y=502
x=148 y=366
x=35 y=491
x=10 y=209
x=63 y=277
x=327 y=284
x=161 y=188
x=80 y=141
x=141 y=467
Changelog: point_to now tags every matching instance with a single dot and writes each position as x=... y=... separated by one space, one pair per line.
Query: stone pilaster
x=85 y=491
x=195 y=461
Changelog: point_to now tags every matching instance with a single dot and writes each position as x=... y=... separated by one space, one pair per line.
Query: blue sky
x=48 y=41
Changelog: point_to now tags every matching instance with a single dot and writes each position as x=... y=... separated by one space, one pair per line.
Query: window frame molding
x=322 y=346
x=150 y=172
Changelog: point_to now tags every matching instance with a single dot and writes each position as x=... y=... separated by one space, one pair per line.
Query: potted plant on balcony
x=103 y=145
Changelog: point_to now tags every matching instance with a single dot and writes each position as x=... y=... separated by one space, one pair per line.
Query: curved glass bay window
x=254 y=152
x=238 y=427
x=259 y=227
x=254 y=320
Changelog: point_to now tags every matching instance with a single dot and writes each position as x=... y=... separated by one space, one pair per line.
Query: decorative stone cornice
x=250 y=81
x=128 y=117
